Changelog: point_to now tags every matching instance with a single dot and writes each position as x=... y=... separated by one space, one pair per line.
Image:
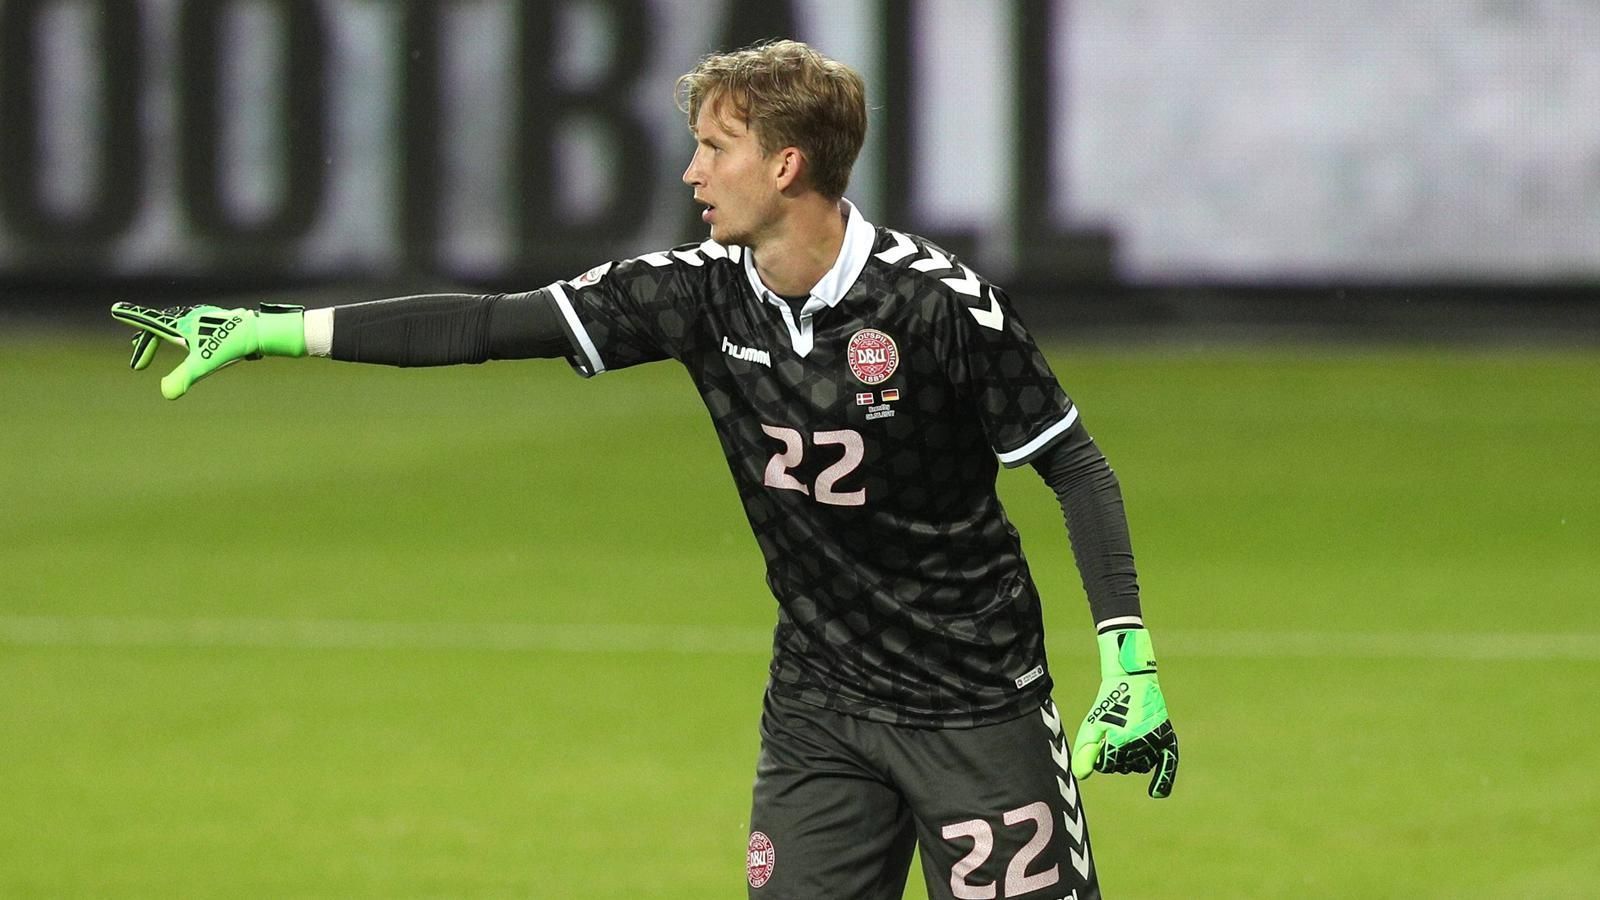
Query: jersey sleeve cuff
x=1013 y=458
x=586 y=361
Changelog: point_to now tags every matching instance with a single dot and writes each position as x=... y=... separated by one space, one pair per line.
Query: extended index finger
x=154 y=321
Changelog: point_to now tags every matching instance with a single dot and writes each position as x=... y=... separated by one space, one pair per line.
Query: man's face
x=731 y=177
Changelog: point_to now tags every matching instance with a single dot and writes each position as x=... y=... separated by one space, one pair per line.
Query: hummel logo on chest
x=748 y=354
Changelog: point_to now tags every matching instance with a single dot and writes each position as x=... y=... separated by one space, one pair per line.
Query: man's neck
x=807 y=244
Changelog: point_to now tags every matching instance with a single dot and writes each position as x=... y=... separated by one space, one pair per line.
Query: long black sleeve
x=447 y=329
x=1097 y=524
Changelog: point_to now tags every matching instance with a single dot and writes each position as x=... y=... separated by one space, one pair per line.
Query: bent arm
x=439 y=329
x=1091 y=501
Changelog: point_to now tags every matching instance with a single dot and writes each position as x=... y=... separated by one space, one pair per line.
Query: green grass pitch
x=321 y=630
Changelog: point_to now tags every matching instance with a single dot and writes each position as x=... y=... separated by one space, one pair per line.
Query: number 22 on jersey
x=794 y=448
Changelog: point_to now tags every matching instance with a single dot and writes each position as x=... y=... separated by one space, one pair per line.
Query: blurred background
x=1325 y=278
x=1407 y=169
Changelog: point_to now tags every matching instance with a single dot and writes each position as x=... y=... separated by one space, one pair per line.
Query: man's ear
x=788 y=165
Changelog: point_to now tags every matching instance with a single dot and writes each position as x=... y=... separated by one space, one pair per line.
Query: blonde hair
x=790 y=96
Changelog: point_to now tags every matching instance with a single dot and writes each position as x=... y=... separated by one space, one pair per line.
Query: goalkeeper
x=865 y=386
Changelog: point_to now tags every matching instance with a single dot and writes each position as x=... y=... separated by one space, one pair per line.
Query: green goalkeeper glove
x=214 y=337
x=1127 y=729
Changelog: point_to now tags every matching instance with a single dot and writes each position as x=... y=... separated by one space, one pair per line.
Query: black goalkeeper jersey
x=863 y=430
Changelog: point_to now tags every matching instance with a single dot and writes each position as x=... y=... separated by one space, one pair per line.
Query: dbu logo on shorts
x=760 y=859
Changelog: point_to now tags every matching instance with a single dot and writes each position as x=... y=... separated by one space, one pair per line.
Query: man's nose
x=691 y=175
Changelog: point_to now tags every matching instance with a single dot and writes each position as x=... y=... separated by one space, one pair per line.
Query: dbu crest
x=872 y=356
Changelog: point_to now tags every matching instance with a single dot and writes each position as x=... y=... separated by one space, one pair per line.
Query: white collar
x=859 y=236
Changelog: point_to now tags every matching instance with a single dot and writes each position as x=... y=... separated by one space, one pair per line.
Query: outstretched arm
x=1127 y=728
x=439 y=329
x=425 y=330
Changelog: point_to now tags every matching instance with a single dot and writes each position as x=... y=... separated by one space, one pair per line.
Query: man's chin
x=726 y=236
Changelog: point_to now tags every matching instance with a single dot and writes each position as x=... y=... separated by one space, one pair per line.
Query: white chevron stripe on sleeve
x=934 y=262
x=903 y=247
x=993 y=317
x=967 y=284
